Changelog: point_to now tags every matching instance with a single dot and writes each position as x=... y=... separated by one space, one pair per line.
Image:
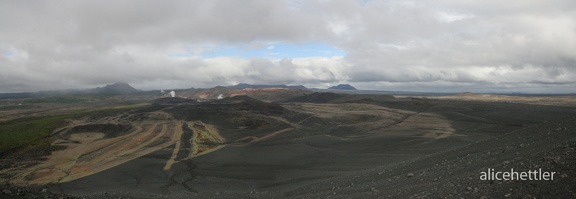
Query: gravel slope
x=452 y=172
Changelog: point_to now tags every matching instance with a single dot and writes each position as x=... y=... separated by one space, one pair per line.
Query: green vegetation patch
x=17 y=107
x=59 y=100
x=28 y=136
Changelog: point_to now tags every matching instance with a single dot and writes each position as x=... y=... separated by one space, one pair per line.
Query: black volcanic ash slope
x=318 y=97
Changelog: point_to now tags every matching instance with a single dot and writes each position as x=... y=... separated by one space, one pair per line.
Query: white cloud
x=451 y=17
x=428 y=45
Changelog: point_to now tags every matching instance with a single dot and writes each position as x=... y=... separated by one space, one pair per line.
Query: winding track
x=92 y=156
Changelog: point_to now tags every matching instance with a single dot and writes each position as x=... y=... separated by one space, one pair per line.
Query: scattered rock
x=409 y=175
x=528 y=196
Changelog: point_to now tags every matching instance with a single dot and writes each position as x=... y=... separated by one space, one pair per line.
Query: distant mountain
x=343 y=87
x=112 y=89
x=116 y=88
x=16 y=95
x=244 y=85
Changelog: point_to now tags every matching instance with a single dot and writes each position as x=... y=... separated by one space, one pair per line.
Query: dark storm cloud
x=435 y=44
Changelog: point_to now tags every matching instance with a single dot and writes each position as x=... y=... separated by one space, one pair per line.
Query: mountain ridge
x=245 y=85
x=116 y=88
x=343 y=87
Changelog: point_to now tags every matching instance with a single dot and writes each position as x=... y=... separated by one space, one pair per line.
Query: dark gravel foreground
x=30 y=192
x=454 y=173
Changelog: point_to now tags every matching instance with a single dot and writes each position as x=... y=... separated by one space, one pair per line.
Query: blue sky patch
x=8 y=54
x=275 y=50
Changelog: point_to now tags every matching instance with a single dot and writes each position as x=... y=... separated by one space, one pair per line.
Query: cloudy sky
x=427 y=45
